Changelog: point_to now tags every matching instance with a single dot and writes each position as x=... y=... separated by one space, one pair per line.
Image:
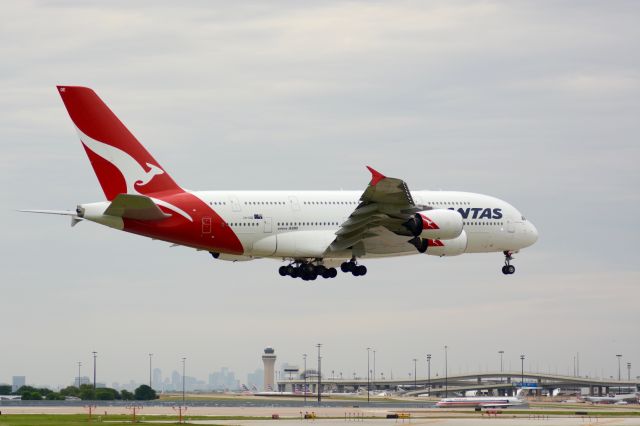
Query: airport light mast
x=619 y=375
x=184 y=359
x=304 y=357
x=415 y=378
x=522 y=370
x=374 y=370
x=368 y=389
x=446 y=373
x=429 y=372
x=79 y=365
x=150 y=379
x=95 y=354
x=319 y=345
x=501 y=352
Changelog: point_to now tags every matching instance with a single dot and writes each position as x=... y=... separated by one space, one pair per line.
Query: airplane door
x=206 y=225
x=295 y=205
x=235 y=203
x=268 y=225
x=510 y=227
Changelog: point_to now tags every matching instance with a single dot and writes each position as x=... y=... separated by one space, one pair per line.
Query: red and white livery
x=312 y=231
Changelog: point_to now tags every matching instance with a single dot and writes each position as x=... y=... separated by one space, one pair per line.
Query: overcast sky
x=537 y=103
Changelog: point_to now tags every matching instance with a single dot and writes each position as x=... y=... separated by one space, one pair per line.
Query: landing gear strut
x=508 y=268
x=355 y=269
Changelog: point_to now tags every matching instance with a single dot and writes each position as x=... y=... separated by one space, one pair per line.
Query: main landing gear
x=307 y=271
x=355 y=269
x=508 y=268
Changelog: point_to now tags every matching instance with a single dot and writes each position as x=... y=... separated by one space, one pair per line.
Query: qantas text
x=479 y=213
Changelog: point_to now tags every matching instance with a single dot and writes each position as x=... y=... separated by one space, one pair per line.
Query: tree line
x=84 y=392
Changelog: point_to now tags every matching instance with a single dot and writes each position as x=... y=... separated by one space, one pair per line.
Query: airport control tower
x=269 y=360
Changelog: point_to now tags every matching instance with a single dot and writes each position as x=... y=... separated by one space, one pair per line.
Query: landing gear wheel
x=295 y=272
x=332 y=272
x=347 y=266
x=508 y=268
x=308 y=272
x=359 y=270
x=283 y=271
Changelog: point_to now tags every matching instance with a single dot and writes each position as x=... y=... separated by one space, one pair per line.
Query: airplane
x=314 y=232
x=480 y=401
x=619 y=399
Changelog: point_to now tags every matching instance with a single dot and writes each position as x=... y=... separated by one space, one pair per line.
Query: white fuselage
x=285 y=224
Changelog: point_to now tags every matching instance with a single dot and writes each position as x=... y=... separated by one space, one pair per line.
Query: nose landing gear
x=508 y=268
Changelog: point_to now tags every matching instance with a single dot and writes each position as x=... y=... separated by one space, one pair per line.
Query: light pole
x=304 y=357
x=522 y=370
x=95 y=354
x=319 y=345
x=619 y=357
x=501 y=354
x=184 y=361
x=374 y=369
x=429 y=372
x=415 y=379
x=79 y=365
x=368 y=390
x=619 y=375
x=446 y=373
x=150 y=380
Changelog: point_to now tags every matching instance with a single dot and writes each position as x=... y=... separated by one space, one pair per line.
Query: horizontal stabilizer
x=136 y=207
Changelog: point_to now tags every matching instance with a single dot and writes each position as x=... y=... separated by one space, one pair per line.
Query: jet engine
x=452 y=247
x=435 y=224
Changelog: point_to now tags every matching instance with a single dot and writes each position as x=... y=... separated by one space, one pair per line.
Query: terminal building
x=490 y=383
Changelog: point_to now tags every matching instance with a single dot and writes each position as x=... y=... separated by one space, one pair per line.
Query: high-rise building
x=84 y=380
x=256 y=379
x=269 y=361
x=176 y=381
x=18 y=382
x=157 y=379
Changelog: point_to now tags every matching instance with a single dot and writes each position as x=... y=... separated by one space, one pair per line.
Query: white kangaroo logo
x=134 y=174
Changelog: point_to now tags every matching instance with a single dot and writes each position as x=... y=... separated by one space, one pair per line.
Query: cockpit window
x=524 y=219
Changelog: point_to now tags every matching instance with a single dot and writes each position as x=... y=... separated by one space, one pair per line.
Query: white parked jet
x=313 y=231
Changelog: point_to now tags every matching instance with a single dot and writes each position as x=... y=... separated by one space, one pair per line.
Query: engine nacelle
x=436 y=224
x=452 y=247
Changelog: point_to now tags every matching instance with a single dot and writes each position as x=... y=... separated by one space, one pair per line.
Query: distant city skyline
x=226 y=379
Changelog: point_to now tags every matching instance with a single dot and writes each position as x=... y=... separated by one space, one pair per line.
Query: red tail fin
x=120 y=162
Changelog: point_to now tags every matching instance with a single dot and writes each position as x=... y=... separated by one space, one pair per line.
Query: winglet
x=376 y=176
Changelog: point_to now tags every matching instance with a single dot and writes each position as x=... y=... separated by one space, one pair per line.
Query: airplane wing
x=385 y=206
x=139 y=207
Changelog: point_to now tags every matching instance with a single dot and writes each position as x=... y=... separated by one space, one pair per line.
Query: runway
x=330 y=416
